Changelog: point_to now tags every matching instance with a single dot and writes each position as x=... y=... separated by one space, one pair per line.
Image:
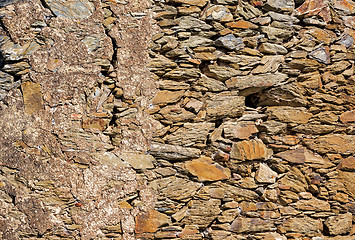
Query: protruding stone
x=230 y=42
x=338 y=225
x=173 y=152
x=206 y=170
x=281 y=5
x=218 y=13
x=249 y=150
x=348 y=116
x=348 y=164
x=165 y=97
x=239 y=130
x=265 y=174
x=95 y=124
x=150 y=221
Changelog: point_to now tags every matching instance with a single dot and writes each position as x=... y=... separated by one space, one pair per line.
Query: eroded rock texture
x=177 y=119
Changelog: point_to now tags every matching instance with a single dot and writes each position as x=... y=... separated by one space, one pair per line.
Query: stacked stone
x=256 y=112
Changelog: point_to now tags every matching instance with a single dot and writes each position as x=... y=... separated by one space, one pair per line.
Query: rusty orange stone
x=348 y=116
x=313 y=8
x=150 y=221
x=206 y=170
x=241 y=24
x=348 y=164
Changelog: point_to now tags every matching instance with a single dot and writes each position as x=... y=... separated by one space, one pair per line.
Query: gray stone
x=265 y=174
x=172 y=152
x=283 y=17
x=138 y=161
x=6 y=81
x=230 y=42
x=241 y=60
x=71 y=9
x=280 y=5
x=321 y=55
x=196 y=41
x=191 y=24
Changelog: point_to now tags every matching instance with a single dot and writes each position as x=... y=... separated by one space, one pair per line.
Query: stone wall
x=177 y=119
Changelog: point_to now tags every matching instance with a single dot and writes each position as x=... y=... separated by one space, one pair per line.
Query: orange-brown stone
x=95 y=124
x=241 y=24
x=32 y=97
x=348 y=116
x=149 y=222
x=249 y=150
x=165 y=97
x=206 y=170
x=348 y=164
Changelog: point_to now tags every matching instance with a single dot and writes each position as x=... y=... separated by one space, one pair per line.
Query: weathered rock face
x=179 y=119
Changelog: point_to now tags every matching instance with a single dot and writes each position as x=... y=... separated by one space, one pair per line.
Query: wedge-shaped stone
x=347 y=164
x=206 y=170
x=265 y=174
x=173 y=152
x=150 y=221
x=246 y=225
x=302 y=155
x=239 y=130
x=190 y=134
x=224 y=105
x=255 y=83
x=270 y=64
x=180 y=189
x=294 y=180
x=220 y=72
x=248 y=150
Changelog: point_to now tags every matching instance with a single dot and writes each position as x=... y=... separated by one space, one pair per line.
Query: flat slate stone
x=71 y=9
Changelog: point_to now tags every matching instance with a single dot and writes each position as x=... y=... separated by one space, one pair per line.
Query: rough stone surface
x=177 y=119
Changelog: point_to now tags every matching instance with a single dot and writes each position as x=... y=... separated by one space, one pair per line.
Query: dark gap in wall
x=252 y=100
